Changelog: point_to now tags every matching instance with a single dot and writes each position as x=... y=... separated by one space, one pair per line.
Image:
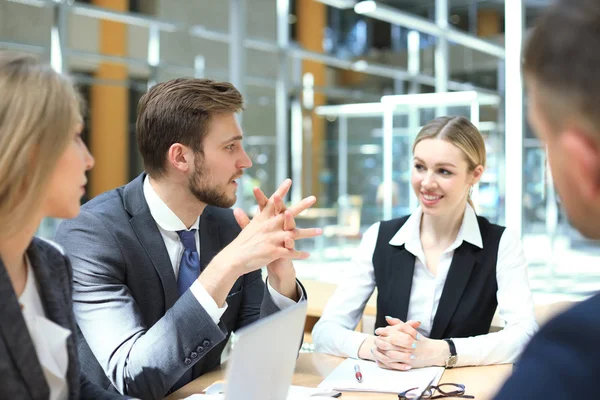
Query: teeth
x=431 y=198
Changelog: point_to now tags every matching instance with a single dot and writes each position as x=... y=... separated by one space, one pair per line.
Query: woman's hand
x=399 y=346
x=395 y=344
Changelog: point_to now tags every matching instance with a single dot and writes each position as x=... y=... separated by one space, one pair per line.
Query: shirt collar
x=162 y=214
x=409 y=234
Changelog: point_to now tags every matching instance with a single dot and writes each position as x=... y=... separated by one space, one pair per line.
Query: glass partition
x=561 y=261
x=369 y=159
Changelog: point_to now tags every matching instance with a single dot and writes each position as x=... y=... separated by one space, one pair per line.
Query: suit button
x=200 y=349
x=194 y=354
x=187 y=361
x=206 y=343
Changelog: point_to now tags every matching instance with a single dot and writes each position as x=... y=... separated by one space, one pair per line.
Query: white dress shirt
x=49 y=339
x=334 y=332
x=168 y=224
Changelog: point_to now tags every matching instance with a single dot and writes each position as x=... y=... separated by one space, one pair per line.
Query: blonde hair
x=38 y=110
x=461 y=133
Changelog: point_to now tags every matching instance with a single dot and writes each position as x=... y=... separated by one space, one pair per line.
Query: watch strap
x=453 y=357
x=451 y=346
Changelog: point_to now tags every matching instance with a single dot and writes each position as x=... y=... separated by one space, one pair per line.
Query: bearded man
x=163 y=272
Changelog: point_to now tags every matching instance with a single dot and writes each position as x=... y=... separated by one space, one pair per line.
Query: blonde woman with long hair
x=43 y=164
x=440 y=272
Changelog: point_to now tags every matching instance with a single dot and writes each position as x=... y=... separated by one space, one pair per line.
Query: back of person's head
x=180 y=111
x=562 y=59
x=561 y=69
x=38 y=109
x=461 y=133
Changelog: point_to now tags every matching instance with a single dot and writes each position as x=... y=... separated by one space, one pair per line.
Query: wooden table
x=312 y=368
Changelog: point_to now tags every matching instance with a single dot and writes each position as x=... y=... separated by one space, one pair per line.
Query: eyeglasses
x=445 y=390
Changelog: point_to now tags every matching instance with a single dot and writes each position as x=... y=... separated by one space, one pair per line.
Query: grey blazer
x=21 y=375
x=138 y=331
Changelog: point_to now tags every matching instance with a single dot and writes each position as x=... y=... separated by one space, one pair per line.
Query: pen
x=357 y=373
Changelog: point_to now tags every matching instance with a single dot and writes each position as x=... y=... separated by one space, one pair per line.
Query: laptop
x=264 y=356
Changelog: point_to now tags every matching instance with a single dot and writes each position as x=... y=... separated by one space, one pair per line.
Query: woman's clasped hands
x=401 y=347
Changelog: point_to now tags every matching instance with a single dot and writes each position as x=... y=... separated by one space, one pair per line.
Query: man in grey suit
x=151 y=321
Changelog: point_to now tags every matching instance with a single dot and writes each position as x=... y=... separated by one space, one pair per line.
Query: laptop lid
x=263 y=359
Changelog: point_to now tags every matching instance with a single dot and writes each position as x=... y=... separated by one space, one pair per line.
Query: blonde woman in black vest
x=440 y=273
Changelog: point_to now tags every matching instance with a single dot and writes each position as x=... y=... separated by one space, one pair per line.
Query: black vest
x=468 y=301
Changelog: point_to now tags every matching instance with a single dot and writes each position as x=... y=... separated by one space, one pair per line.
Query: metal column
x=396 y=33
x=153 y=54
x=414 y=66
x=442 y=60
x=514 y=21
x=388 y=128
x=199 y=67
x=342 y=160
x=237 y=63
x=297 y=133
x=58 y=37
x=237 y=35
x=281 y=91
x=474 y=116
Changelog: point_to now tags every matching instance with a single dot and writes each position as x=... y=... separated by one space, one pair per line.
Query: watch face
x=451 y=361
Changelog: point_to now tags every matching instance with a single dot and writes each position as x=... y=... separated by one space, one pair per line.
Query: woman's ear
x=477 y=173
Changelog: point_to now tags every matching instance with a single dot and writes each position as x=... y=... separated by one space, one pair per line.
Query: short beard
x=211 y=195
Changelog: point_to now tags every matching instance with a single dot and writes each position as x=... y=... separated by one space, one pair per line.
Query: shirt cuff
x=207 y=302
x=352 y=344
x=280 y=300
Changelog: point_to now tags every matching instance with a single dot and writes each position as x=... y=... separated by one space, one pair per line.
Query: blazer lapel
x=149 y=236
x=210 y=241
x=18 y=342
x=145 y=228
x=462 y=265
x=49 y=286
x=401 y=272
x=54 y=300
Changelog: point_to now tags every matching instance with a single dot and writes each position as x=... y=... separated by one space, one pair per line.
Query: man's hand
x=260 y=242
x=282 y=275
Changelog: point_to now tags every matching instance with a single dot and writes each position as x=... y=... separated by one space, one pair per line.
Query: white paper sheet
x=375 y=379
x=295 y=393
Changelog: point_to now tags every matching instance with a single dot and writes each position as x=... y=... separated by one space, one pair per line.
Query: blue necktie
x=189 y=268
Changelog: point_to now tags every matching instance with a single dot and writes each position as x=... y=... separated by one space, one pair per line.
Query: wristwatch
x=453 y=357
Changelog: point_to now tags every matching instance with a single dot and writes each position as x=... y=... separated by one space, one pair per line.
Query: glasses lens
x=450 y=389
x=414 y=394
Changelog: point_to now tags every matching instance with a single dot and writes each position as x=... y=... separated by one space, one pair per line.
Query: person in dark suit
x=561 y=73
x=43 y=164
x=163 y=273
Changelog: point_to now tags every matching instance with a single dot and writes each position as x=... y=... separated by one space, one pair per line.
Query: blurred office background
x=314 y=74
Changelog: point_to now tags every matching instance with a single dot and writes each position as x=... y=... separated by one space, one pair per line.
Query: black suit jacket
x=563 y=360
x=138 y=331
x=21 y=375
